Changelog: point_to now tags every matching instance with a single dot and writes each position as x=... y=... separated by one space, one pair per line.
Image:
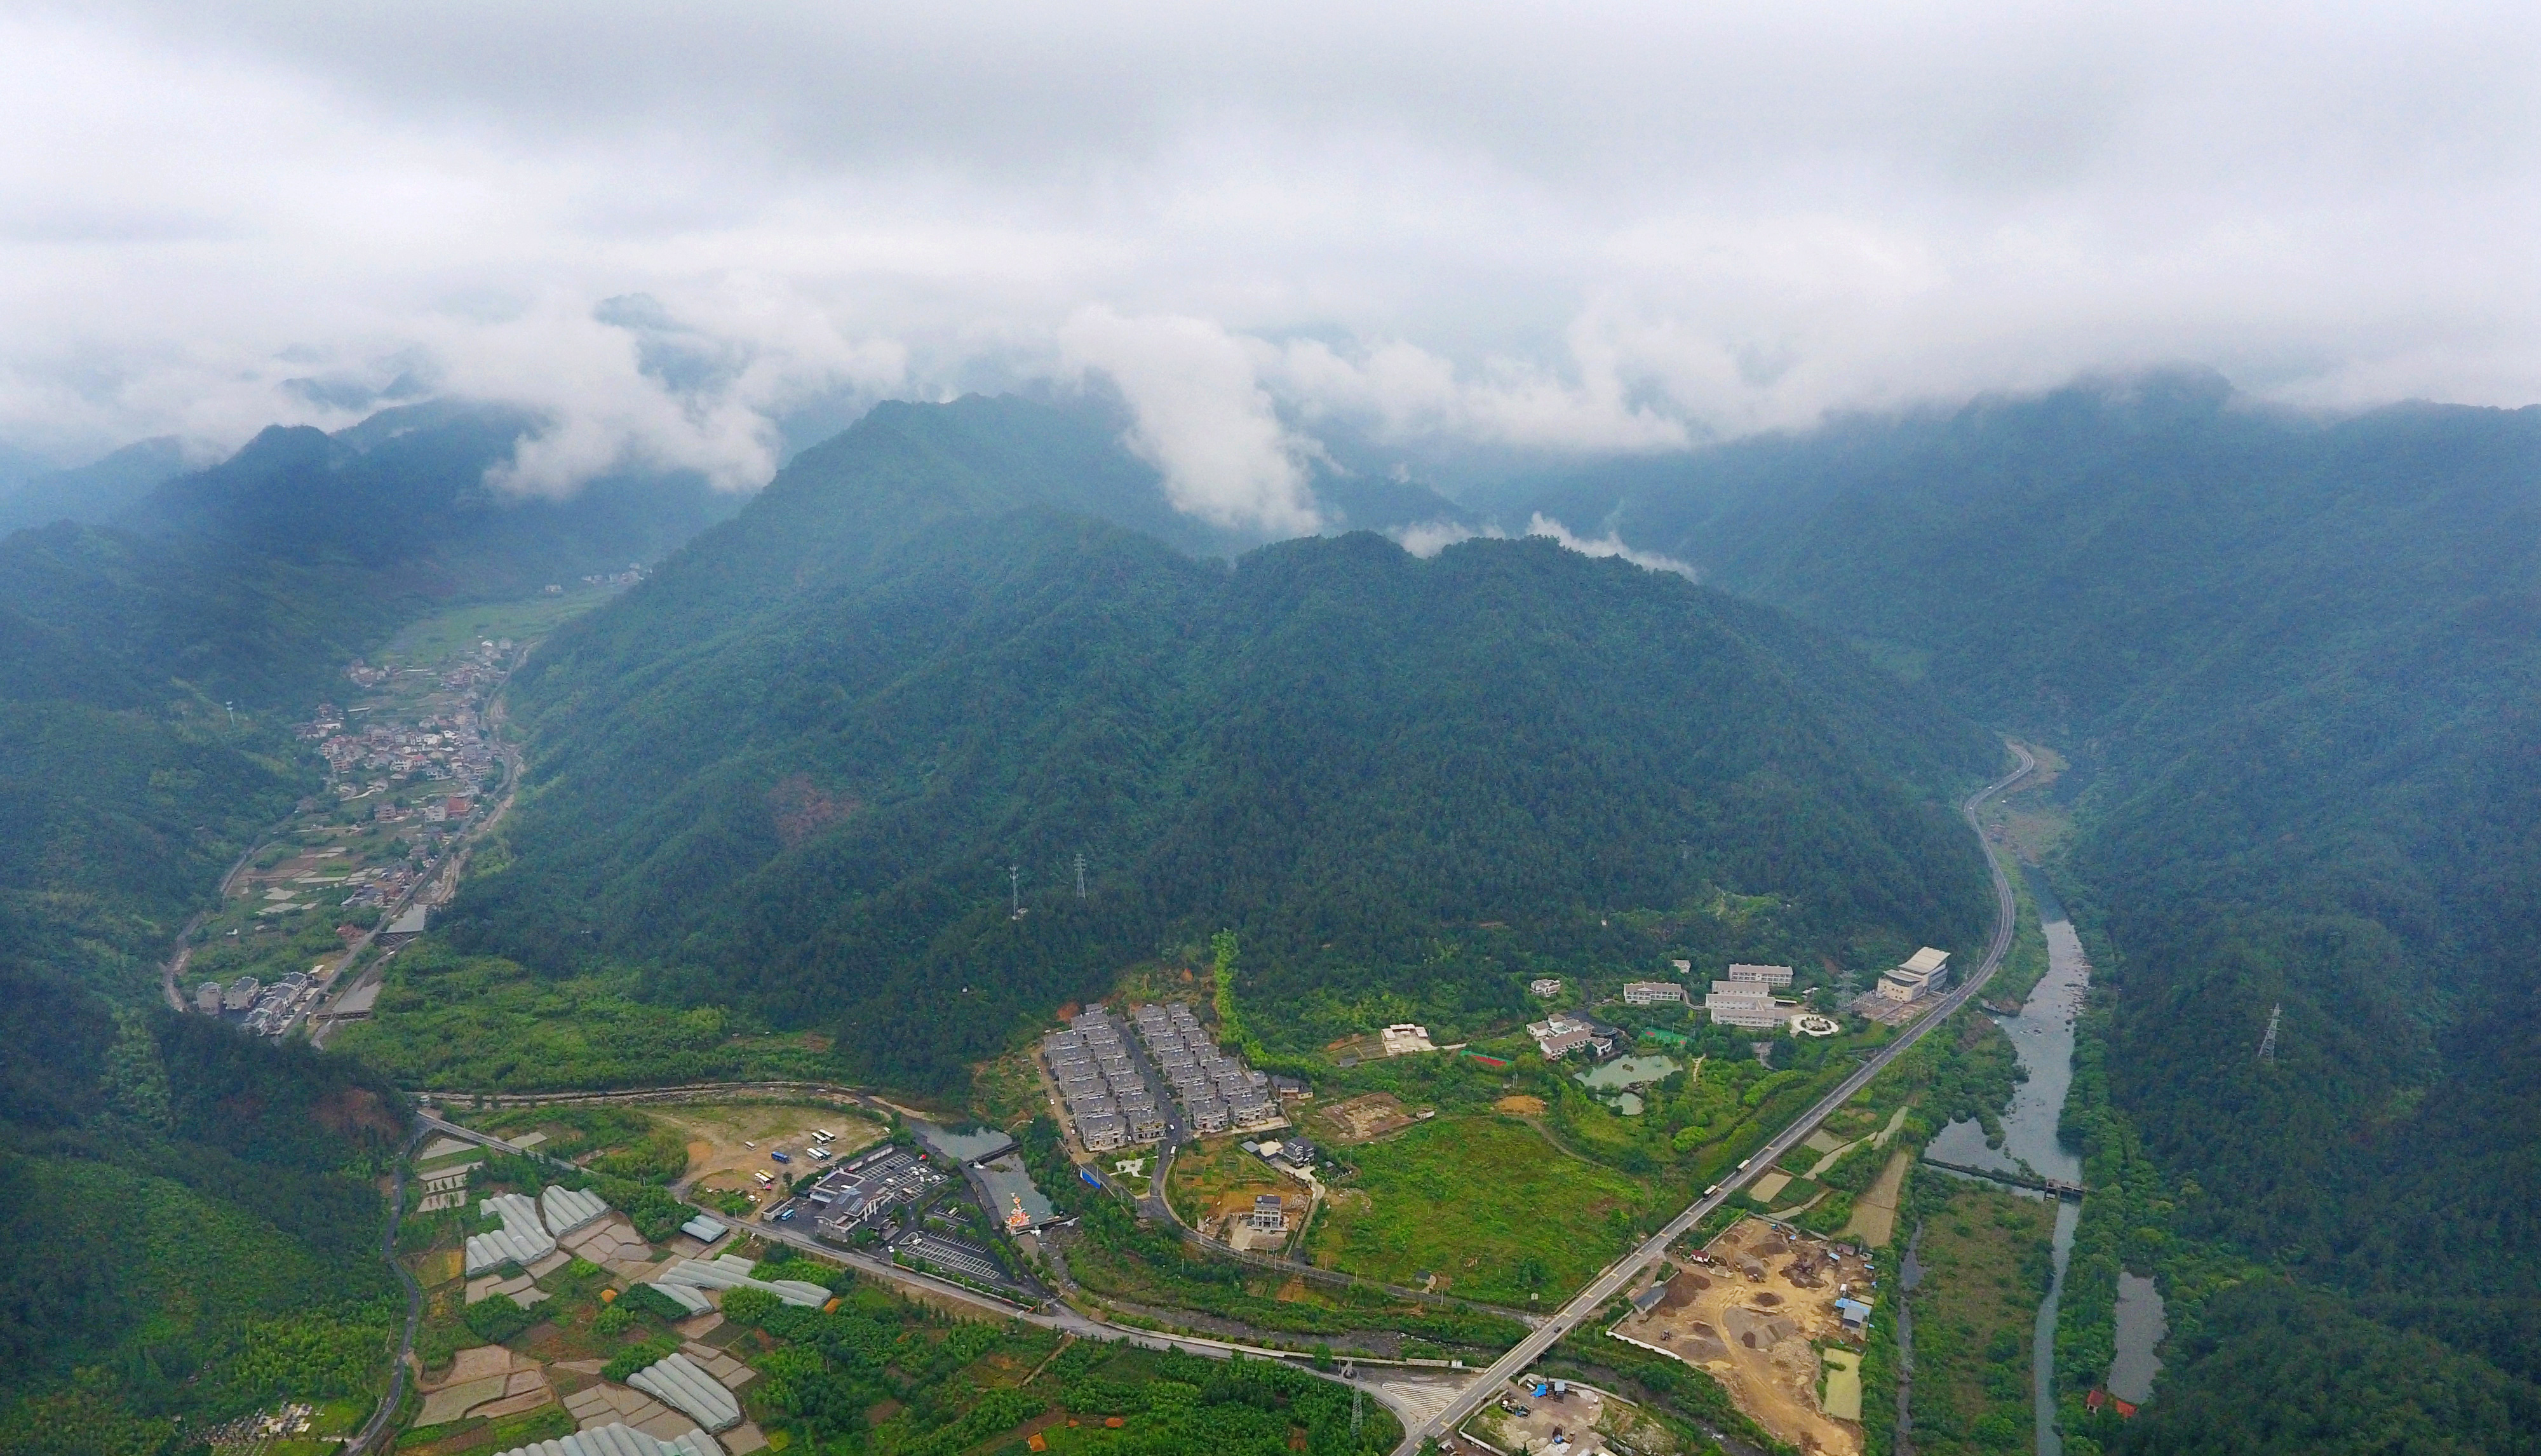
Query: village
x=355 y=871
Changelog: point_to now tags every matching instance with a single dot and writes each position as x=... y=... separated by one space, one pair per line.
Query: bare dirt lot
x=1753 y=1319
x=1363 y=1118
x=719 y=1136
x=1520 y=1105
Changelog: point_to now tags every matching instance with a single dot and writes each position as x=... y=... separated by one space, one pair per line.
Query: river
x=2042 y=1037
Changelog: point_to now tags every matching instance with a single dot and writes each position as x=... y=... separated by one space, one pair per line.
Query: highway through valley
x=1431 y=1401
x=1620 y=1275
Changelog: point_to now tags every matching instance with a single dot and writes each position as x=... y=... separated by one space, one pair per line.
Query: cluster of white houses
x=1744 y=997
x=530 y=1226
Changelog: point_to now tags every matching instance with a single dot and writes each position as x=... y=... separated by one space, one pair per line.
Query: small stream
x=2041 y=1036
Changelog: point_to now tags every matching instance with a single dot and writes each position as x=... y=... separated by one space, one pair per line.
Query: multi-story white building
x=1925 y=972
x=1742 y=1003
x=1762 y=975
x=1652 y=992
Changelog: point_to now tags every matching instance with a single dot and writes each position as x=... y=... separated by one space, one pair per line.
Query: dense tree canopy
x=790 y=772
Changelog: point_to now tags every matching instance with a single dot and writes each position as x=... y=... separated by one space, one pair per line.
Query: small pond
x=1625 y=1072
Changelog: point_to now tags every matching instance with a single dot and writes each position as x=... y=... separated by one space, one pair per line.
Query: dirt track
x=1874 y=1214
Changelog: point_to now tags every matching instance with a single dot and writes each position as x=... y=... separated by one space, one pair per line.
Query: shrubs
x=660 y=1157
x=655 y=1213
x=316 y=1353
x=644 y=1299
x=636 y=1357
x=496 y=1318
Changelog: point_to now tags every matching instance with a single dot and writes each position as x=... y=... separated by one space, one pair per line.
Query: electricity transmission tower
x=2268 y=1042
x=1081 y=876
x=1014 y=893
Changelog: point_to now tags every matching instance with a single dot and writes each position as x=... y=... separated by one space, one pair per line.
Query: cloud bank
x=1570 y=229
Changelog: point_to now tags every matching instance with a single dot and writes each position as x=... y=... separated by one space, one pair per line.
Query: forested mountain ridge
x=2294 y=661
x=258 y=578
x=786 y=773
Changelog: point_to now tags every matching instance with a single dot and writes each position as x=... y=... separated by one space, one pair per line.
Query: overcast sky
x=1553 y=226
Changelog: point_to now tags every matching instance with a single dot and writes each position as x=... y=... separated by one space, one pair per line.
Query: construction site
x=1753 y=1310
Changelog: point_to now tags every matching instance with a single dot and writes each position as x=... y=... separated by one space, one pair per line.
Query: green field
x=480 y=1024
x=1481 y=1201
x=459 y=628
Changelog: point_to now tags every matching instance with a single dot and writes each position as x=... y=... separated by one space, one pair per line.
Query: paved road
x=176 y=965
x=1620 y=1275
x=377 y=1424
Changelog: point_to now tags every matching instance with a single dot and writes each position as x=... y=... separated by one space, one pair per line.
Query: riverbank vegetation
x=1985 y=1265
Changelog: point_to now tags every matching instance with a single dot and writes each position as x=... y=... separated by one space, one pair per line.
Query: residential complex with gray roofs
x=1112 y=1101
x=1217 y=1092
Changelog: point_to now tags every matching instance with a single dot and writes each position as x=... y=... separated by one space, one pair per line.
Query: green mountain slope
x=2295 y=660
x=187 y=1215
x=787 y=774
x=126 y=781
x=93 y=493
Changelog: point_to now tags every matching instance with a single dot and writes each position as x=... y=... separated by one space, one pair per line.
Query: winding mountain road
x=385 y=1412
x=1620 y=1275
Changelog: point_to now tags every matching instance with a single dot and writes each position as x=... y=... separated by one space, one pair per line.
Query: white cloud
x=1606 y=546
x=1202 y=418
x=1430 y=537
x=1412 y=392
x=1603 y=227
